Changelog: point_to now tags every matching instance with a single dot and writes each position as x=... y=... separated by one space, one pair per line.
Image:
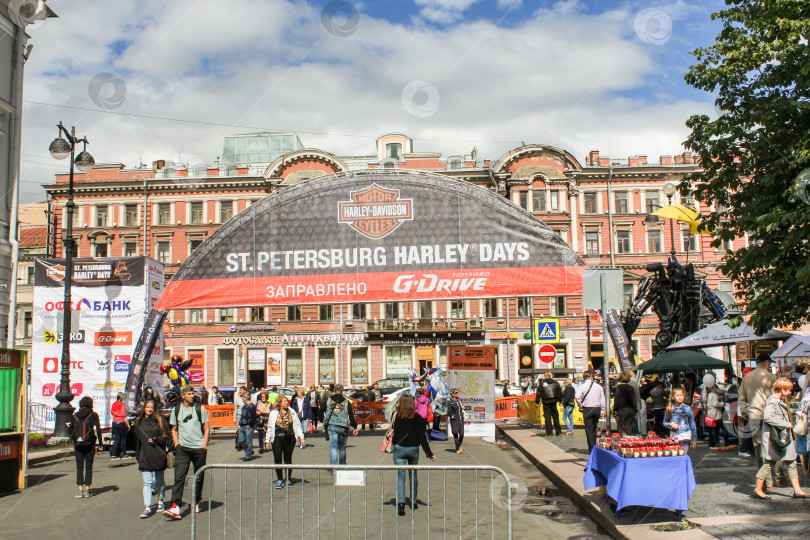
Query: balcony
x=415 y=326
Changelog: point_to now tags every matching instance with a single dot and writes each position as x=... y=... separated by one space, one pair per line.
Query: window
x=651 y=201
x=554 y=200
x=628 y=295
x=726 y=287
x=557 y=306
x=225 y=211
x=164 y=214
x=457 y=309
x=728 y=245
x=397 y=361
x=101 y=215
x=75 y=216
x=28 y=324
x=194 y=244
x=225 y=367
x=654 y=242
x=100 y=250
x=226 y=315
x=29 y=275
x=623 y=242
x=163 y=252
x=590 y=203
x=539 y=200
x=359 y=365
x=196 y=212
x=620 y=202
x=592 y=243
x=326 y=312
x=196 y=316
x=256 y=314
x=524 y=307
x=690 y=241
x=391 y=310
x=393 y=151
x=294 y=365
x=131 y=215
x=293 y=313
x=130 y=249
x=358 y=311
x=524 y=200
x=424 y=310
x=491 y=306
x=326 y=366
x=454 y=164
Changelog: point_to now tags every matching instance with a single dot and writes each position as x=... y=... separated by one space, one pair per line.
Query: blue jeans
x=568 y=417
x=152 y=480
x=338 y=436
x=406 y=455
x=119 y=435
x=245 y=438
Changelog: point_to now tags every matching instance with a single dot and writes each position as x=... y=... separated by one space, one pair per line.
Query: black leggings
x=84 y=464
x=283 y=446
x=458 y=437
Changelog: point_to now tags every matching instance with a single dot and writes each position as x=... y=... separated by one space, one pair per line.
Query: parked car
x=388 y=386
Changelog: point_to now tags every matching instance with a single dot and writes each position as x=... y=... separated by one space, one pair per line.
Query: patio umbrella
x=795 y=348
x=686 y=214
x=719 y=333
x=671 y=361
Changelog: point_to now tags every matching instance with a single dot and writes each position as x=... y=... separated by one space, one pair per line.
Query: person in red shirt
x=120 y=429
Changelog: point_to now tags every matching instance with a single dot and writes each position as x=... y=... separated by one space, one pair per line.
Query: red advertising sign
x=372 y=236
x=197 y=366
x=9 y=450
x=547 y=353
x=471 y=358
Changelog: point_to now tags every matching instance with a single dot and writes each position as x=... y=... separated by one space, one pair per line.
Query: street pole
x=671 y=227
x=60 y=149
x=606 y=362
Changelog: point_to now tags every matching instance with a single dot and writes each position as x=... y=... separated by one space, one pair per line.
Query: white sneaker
x=173 y=512
x=197 y=509
x=160 y=506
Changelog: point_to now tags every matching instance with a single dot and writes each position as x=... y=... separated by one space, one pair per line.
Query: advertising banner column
x=472 y=371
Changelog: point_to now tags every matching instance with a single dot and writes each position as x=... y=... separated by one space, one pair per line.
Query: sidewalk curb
x=590 y=509
x=34 y=460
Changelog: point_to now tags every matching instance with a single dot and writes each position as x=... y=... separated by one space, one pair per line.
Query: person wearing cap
x=755 y=389
x=190 y=432
x=338 y=419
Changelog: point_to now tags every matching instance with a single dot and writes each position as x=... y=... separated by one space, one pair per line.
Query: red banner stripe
x=372 y=287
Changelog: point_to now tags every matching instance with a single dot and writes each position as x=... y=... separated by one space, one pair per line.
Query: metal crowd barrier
x=352 y=501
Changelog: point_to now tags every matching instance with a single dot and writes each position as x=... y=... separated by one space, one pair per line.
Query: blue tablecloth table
x=660 y=482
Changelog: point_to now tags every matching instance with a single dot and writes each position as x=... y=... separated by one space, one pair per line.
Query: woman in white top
x=283 y=429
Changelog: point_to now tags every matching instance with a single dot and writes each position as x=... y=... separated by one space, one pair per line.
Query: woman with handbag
x=714 y=415
x=263 y=409
x=456 y=416
x=409 y=434
x=152 y=438
x=777 y=440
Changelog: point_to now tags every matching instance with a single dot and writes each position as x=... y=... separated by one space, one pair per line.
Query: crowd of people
x=178 y=437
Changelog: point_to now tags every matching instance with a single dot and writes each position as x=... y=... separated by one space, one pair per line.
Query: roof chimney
x=593 y=158
x=159 y=164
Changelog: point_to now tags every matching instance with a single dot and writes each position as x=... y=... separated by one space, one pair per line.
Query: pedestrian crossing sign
x=546 y=330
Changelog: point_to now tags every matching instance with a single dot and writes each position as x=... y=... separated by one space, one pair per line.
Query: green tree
x=759 y=69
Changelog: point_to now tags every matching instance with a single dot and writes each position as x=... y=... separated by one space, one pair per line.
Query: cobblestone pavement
x=725 y=481
x=47 y=507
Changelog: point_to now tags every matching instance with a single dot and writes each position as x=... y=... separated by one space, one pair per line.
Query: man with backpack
x=337 y=420
x=247 y=423
x=190 y=432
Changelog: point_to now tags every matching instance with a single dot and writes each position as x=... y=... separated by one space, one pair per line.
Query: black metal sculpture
x=677 y=298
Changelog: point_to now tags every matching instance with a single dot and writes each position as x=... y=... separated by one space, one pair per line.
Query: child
x=680 y=420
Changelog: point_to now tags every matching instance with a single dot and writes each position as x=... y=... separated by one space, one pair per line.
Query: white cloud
x=554 y=79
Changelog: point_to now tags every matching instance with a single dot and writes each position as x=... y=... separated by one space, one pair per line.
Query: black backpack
x=176 y=413
x=83 y=429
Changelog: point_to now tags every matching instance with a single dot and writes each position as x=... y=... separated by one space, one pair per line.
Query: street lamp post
x=669 y=190
x=60 y=149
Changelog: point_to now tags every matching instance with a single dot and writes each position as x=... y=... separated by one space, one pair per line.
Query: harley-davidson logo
x=375 y=211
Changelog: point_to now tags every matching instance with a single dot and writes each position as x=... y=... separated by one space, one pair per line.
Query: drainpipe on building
x=143 y=217
x=610 y=216
x=508 y=342
x=14 y=176
x=340 y=366
x=573 y=209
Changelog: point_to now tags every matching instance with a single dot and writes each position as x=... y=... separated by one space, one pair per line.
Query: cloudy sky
x=146 y=80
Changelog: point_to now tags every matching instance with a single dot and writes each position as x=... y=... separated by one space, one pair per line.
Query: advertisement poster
x=109 y=301
x=376 y=236
x=198 y=366
x=472 y=371
x=257 y=359
x=274 y=369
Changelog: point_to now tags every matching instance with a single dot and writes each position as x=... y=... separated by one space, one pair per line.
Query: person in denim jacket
x=681 y=421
